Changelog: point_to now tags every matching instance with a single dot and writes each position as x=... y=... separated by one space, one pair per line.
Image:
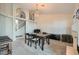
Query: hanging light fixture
x=38 y=9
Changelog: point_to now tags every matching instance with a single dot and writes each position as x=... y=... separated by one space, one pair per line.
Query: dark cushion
x=37 y=30
x=53 y=36
x=67 y=38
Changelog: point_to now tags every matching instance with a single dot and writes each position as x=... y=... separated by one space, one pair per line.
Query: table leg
x=48 y=41
x=39 y=41
x=28 y=42
x=42 y=47
x=36 y=45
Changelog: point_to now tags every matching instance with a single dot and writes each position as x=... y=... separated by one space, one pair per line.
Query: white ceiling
x=51 y=7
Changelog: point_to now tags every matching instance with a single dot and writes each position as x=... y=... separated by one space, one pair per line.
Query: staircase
x=21 y=24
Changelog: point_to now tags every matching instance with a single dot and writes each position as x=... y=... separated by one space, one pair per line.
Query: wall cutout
x=20 y=13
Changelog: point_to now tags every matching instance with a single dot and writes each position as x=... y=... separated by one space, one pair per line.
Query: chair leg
x=30 y=43
x=39 y=42
x=35 y=45
x=25 y=38
x=42 y=47
x=48 y=41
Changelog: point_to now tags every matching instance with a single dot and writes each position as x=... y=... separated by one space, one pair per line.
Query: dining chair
x=31 y=38
x=27 y=38
x=37 y=31
x=34 y=39
x=67 y=38
x=46 y=37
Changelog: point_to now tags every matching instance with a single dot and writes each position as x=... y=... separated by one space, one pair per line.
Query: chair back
x=37 y=30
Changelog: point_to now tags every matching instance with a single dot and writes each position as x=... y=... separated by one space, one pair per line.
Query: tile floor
x=55 y=48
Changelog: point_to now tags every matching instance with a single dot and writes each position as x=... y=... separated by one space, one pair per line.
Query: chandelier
x=38 y=8
x=35 y=11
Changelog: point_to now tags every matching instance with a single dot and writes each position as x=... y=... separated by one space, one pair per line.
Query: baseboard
x=19 y=36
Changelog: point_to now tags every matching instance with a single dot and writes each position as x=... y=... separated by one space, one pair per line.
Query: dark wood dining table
x=41 y=39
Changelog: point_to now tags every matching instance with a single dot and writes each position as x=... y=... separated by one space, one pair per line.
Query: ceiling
x=49 y=8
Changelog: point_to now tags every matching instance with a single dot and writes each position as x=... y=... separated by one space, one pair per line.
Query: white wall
x=6 y=26
x=6 y=23
x=55 y=23
x=30 y=26
x=9 y=27
x=2 y=25
x=6 y=8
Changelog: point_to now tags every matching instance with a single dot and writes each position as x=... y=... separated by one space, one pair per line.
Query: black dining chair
x=46 y=37
x=34 y=39
x=31 y=38
x=67 y=38
x=44 y=33
x=28 y=38
x=37 y=30
x=50 y=36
